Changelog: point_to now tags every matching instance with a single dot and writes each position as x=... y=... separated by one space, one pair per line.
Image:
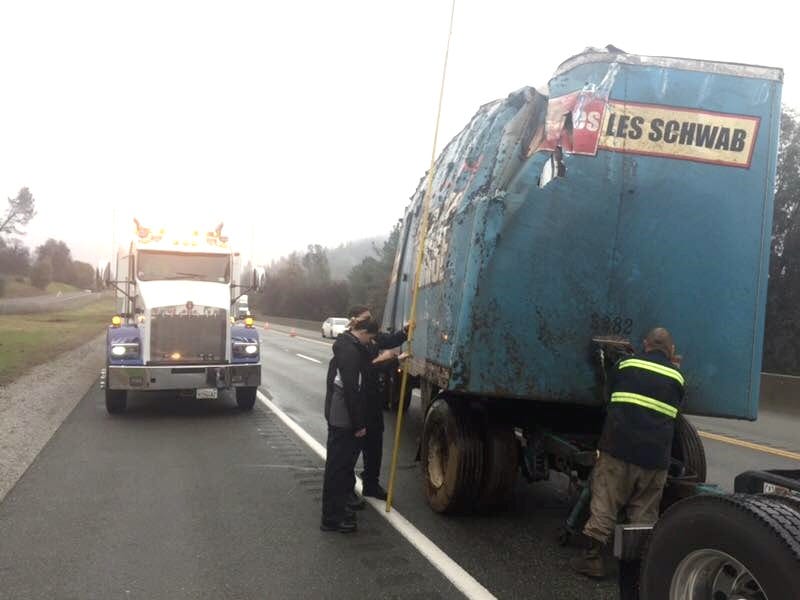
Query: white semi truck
x=242 y=308
x=175 y=327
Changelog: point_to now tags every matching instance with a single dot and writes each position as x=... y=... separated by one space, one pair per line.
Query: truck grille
x=182 y=339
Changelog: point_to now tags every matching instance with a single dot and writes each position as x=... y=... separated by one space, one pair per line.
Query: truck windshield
x=155 y=266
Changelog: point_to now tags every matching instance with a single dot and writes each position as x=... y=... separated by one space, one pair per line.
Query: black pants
x=372 y=451
x=343 y=448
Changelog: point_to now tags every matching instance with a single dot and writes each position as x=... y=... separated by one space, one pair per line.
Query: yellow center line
x=750 y=445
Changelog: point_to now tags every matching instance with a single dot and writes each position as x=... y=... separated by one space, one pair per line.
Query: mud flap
x=630 y=542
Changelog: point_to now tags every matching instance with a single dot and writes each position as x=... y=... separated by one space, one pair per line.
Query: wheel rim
x=714 y=575
x=437 y=459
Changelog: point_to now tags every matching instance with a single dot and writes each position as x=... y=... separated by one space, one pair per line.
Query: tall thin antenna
x=114 y=240
x=422 y=235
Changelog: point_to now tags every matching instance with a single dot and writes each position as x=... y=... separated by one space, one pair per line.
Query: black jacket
x=646 y=393
x=385 y=340
x=372 y=388
x=382 y=341
x=352 y=359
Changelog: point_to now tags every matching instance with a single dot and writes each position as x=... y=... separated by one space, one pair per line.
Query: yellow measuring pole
x=423 y=235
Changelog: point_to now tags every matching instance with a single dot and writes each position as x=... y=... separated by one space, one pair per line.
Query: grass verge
x=30 y=340
x=24 y=289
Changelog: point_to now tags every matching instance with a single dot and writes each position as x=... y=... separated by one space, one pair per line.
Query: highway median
x=30 y=340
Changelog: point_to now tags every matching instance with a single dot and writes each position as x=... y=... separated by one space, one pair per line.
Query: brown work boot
x=590 y=563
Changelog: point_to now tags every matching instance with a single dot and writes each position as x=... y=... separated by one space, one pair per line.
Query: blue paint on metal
x=518 y=278
x=124 y=334
x=242 y=333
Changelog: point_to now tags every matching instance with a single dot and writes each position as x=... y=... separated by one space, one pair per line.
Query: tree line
x=301 y=285
x=51 y=261
x=782 y=331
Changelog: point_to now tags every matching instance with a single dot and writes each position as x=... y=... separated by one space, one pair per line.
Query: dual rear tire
x=392 y=381
x=687 y=447
x=472 y=463
x=467 y=465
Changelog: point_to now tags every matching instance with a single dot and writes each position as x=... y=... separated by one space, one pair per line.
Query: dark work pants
x=343 y=448
x=372 y=450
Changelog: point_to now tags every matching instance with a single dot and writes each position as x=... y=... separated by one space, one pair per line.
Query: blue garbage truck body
x=637 y=191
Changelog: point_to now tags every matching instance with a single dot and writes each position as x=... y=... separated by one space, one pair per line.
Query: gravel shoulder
x=34 y=406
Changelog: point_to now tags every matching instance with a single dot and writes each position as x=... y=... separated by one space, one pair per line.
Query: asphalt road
x=193 y=499
x=190 y=499
x=514 y=554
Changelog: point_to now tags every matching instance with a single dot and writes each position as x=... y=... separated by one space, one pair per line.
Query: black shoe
x=355 y=502
x=375 y=491
x=346 y=525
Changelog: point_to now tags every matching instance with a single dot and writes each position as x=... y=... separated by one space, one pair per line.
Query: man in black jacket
x=345 y=411
x=372 y=442
x=635 y=446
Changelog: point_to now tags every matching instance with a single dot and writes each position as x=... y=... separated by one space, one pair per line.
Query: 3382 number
x=616 y=324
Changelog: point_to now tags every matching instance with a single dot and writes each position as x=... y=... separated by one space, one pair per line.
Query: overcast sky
x=298 y=122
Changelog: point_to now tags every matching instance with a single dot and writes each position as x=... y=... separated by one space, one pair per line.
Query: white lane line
x=450 y=569
x=780 y=375
x=319 y=362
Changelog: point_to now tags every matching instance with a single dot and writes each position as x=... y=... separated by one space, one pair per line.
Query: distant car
x=333 y=326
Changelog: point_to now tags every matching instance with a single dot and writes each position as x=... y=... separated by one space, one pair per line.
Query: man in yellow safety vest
x=636 y=445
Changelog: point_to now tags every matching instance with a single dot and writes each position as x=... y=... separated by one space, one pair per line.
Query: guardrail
x=780 y=393
x=287 y=322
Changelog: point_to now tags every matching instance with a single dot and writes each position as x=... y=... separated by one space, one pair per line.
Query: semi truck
x=242 y=308
x=175 y=326
x=633 y=192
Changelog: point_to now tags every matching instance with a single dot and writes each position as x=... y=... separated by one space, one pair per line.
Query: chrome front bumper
x=182 y=377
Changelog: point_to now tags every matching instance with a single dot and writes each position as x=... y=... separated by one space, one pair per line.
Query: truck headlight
x=245 y=348
x=127 y=350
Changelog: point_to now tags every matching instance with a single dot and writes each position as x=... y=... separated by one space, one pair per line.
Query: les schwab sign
x=581 y=123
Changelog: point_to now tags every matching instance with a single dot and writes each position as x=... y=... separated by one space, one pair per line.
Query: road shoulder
x=197 y=500
x=34 y=406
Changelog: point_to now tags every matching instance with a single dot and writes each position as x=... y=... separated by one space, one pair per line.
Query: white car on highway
x=334 y=326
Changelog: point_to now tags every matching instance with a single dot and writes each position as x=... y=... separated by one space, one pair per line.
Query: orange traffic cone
x=292 y=333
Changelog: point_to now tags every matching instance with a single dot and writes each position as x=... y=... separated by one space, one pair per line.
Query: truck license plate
x=207 y=394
